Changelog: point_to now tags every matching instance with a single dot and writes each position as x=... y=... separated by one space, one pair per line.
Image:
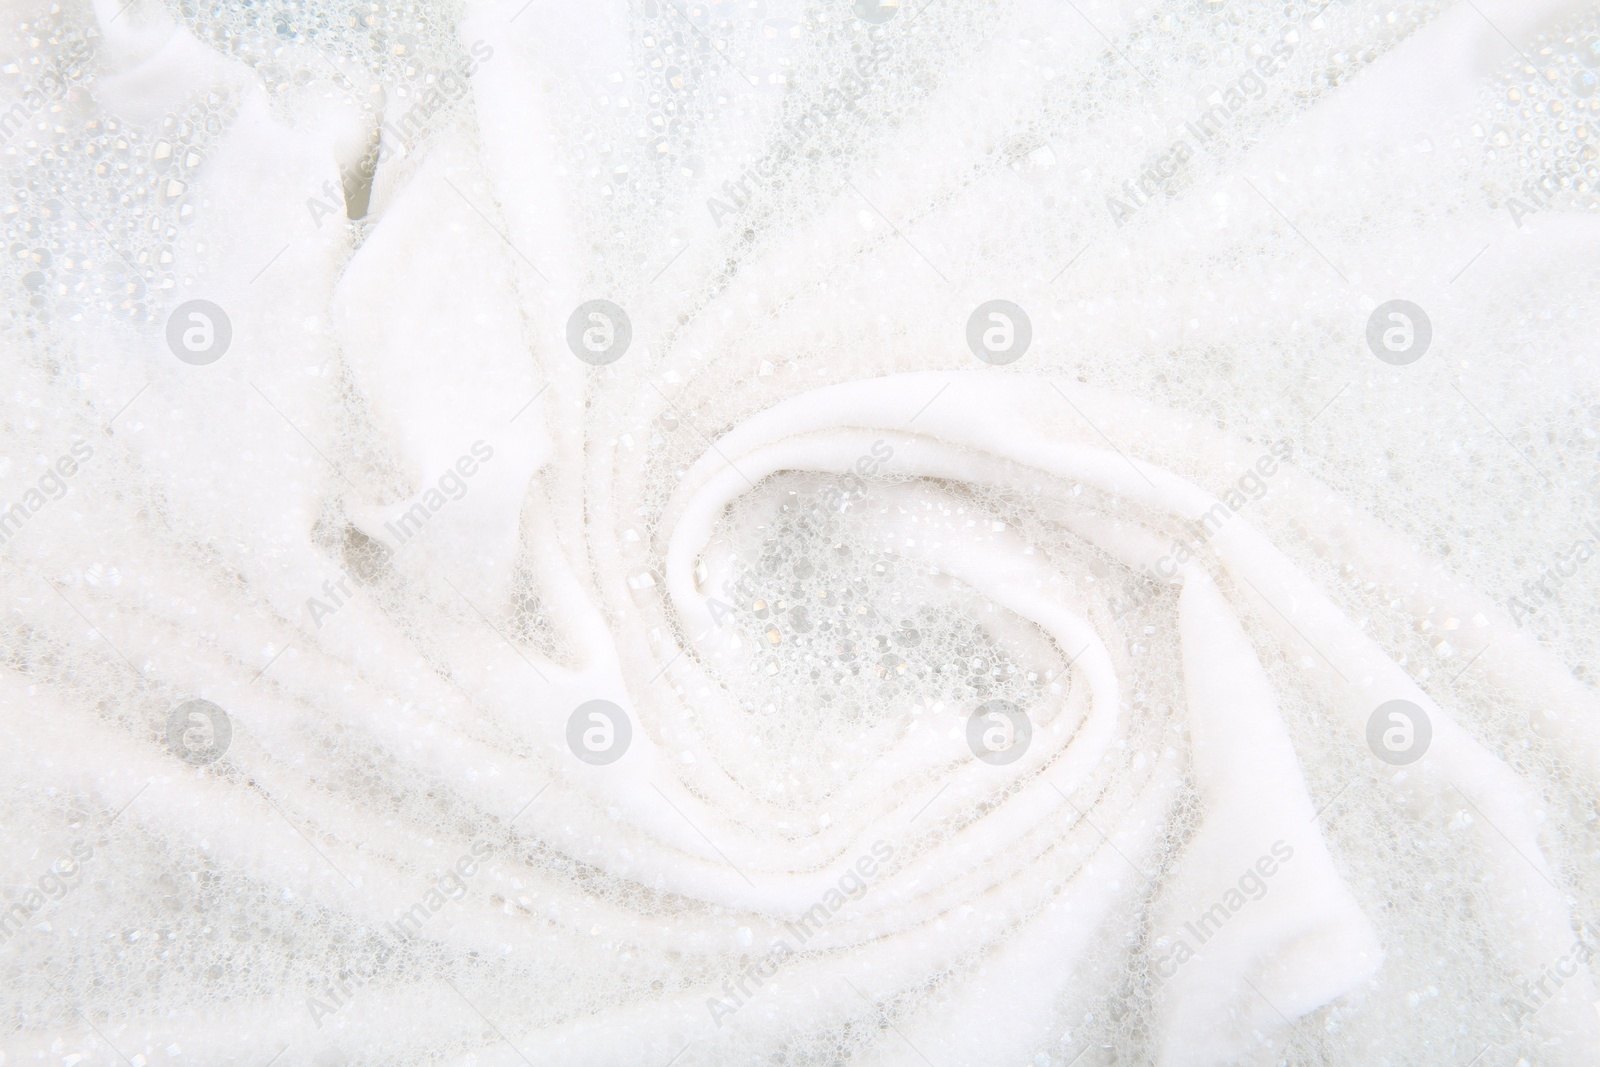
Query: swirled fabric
x=800 y=533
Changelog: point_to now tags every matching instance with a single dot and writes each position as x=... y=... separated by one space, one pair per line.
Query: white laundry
x=625 y=534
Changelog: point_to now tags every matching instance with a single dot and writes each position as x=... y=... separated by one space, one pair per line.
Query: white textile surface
x=800 y=532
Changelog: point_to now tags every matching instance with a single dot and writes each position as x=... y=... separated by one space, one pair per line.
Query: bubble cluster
x=1540 y=130
x=101 y=209
x=592 y=771
x=840 y=631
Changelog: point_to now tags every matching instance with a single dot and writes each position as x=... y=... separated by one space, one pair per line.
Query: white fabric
x=1030 y=911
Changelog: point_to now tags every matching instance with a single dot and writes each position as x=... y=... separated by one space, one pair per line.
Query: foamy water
x=1054 y=534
